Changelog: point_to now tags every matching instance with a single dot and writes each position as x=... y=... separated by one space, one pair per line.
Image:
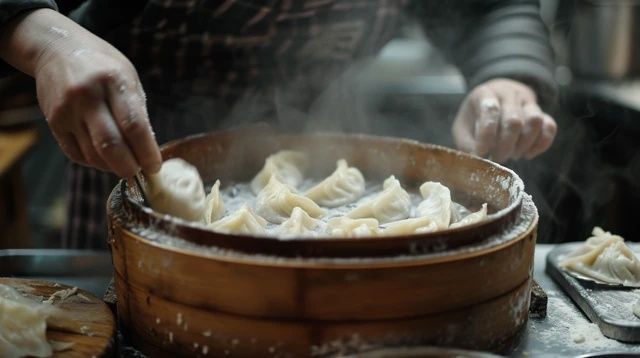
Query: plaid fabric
x=207 y=64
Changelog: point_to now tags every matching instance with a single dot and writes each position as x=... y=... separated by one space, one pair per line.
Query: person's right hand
x=95 y=106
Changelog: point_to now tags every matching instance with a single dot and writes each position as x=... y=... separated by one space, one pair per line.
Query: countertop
x=565 y=325
x=554 y=336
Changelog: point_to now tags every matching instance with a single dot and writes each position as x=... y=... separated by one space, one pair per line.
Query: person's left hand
x=501 y=119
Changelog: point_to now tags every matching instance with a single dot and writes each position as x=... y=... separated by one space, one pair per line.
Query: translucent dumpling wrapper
x=276 y=201
x=23 y=325
x=241 y=222
x=300 y=224
x=393 y=203
x=436 y=204
x=343 y=186
x=605 y=257
x=214 y=206
x=287 y=165
x=458 y=212
x=348 y=227
x=177 y=190
x=472 y=218
x=419 y=225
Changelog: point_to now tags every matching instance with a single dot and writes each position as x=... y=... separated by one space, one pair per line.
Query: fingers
x=69 y=146
x=463 y=128
x=127 y=105
x=533 y=120
x=501 y=118
x=108 y=143
x=511 y=124
x=91 y=156
x=486 y=126
x=544 y=139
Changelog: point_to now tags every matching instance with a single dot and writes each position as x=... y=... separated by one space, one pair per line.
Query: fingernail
x=489 y=105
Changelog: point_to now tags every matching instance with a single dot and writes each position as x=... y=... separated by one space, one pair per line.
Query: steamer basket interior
x=237 y=155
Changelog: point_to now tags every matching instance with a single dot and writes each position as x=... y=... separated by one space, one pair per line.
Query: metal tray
x=87 y=269
x=608 y=307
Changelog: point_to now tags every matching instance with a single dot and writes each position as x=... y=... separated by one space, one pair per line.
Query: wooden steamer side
x=175 y=300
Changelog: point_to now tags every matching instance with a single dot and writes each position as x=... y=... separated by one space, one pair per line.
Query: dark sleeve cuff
x=494 y=38
x=535 y=75
x=11 y=8
x=510 y=42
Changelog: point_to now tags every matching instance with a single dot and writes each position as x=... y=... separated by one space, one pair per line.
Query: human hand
x=88 y=91
x=95 y=106
x=501 y=118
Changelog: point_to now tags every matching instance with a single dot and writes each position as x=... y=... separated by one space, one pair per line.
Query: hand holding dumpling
x=177 y=190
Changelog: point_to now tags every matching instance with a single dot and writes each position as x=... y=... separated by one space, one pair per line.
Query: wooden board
x=609 y=308
x=86 y=310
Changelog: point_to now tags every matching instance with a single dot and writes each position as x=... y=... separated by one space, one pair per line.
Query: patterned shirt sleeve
x=11 y=8
x=493 y=38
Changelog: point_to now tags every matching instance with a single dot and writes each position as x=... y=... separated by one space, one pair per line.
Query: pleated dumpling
x=343 y=186
x=436 y=204
x=276 y=201
x=419 y=225
x=391 y=204
x=177 y=190
x=458 y=212
x=605 y=257
x=472 y=218
x=300 y=224
x=242 y=222
x=348 y=227
x=214 y=207
x=287 y=165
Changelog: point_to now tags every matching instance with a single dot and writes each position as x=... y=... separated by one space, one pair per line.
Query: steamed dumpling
x=300 y=224
x=343 y=186
x=472 y=218
x=436 y=204
x=286 y=165
x=243 y=221
x=606 y=258
x=419 y=225
x=348 y=227
x=214 y=207
x=276 y=201
x=23 y=325
x=177 y=190
x=24 y=322
x=458 y=212
x=392 y=204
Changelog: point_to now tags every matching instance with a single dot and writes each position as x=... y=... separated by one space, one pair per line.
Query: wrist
x=36 y=37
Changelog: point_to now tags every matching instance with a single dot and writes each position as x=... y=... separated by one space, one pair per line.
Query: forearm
x=492 y=39
x=29 y=39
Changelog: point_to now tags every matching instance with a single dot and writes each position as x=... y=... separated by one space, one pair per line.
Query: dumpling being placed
x=275 y=202
x=605 y=257
x=300 y=224
x=177 y=190
x=472 y=218
x=287 y=165
x=343 y=186
x=436 y=204
x=418 y=225
x=242 y=222
x=392 y=204
x=214 y=207
x=348 y=227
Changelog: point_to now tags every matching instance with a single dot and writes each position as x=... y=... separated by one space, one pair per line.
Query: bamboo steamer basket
x=184 y=290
